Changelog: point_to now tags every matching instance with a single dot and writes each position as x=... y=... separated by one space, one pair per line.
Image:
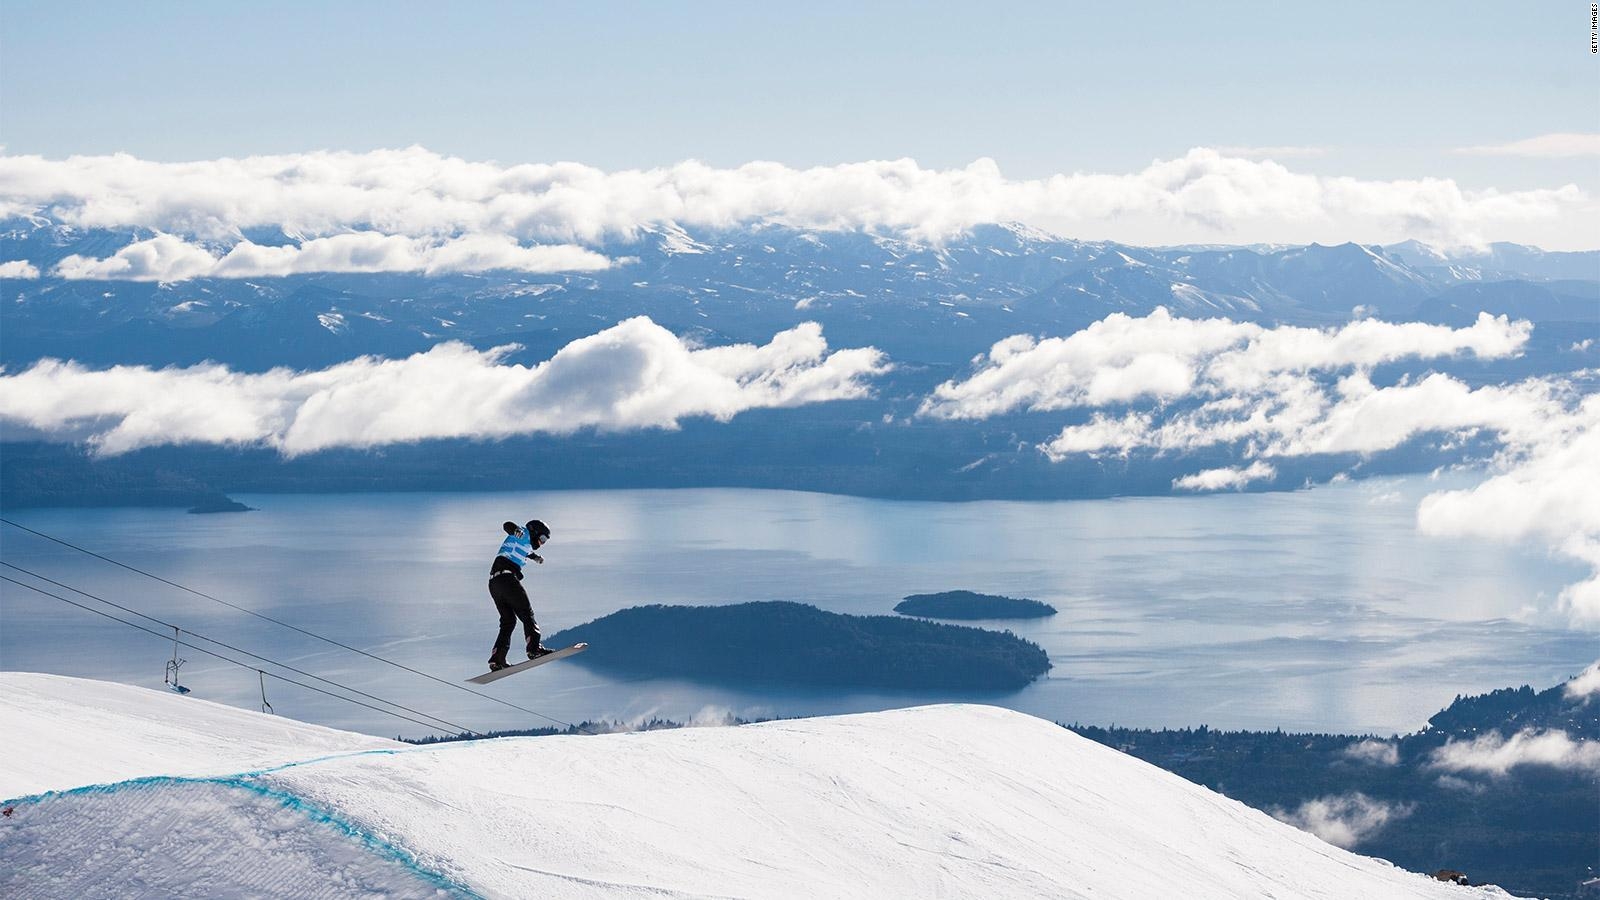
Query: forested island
x=43 y=475
x=793 y=644
x=972 y=605
x=220 y=505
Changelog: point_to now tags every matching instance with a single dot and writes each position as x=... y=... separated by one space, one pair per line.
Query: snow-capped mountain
x=917 y=300
x=957 y=801
x=1499 y=261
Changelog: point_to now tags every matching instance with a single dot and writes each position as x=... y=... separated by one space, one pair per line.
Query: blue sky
x=1382 y=90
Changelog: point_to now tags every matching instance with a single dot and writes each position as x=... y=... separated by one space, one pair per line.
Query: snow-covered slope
x=63 y=733
x=964 y=801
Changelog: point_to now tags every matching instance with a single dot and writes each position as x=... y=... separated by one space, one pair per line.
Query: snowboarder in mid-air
x=505 y=586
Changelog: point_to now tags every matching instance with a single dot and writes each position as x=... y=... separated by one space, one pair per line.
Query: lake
x=1321 y=609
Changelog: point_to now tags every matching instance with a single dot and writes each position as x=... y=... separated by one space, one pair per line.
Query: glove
x=536 y=558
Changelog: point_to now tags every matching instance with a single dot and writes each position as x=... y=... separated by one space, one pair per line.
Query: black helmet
x=511 y=528
x=537 y=529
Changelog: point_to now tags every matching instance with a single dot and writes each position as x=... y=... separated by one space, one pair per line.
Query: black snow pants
x=512 y=602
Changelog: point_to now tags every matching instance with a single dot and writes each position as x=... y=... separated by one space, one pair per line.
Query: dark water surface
x=1313 y=610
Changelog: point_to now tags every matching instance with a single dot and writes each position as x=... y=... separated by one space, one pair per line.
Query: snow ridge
x=82 y=732
x=955 y=800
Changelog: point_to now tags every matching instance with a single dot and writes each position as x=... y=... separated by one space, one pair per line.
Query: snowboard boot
x=537 y=650
x=496 y=665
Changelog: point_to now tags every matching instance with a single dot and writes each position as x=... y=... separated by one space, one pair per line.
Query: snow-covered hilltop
x=64 y=733
x=967 y=801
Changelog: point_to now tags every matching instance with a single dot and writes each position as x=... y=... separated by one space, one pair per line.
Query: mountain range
x=919 y=302
x=930 y=307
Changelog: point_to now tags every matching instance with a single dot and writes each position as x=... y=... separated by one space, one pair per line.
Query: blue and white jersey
x=517 y=548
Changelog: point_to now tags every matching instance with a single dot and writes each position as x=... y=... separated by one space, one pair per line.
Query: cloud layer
x=1373 y=752
x=1549 y=491
x=170 y=258
x=1124 y=359
x=1549 y=146
x=415 y=193
x=1169 y=385
x=18 y=268
x=1343 y=820
x=1586 y=684
x=1493 y=754
x=1225 y=479
x=633 y=375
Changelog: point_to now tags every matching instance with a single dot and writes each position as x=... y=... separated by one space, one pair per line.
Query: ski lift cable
x=196 y=634
x=437 y=722
x=268 y=618
x=220 y=656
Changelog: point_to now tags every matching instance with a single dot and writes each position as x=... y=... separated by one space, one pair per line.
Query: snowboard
x=564 y=652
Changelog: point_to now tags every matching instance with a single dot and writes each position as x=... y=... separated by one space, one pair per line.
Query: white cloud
x=1344 y=820
x=1549 y=491
x=162 y=258
x=1586 y=684
x=1122 y=358
x=1292 y=392
x=1549 y=146
x=1463 y=785
x=1373 y=752
x=1361 y=344
x=1117 y=359
x=1284 y=151
x=1099 y=434
x=1365 y=419
x=633 y=375
x=1225 y=479
x=18 y=269
x=167 y=257
x=1494 y=754
x=413 y=192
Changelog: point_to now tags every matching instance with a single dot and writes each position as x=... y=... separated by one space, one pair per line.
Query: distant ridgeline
x=33 y=475
x=971 y=605
x=799 y=645
x=935 y=304
x=1509 y=710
